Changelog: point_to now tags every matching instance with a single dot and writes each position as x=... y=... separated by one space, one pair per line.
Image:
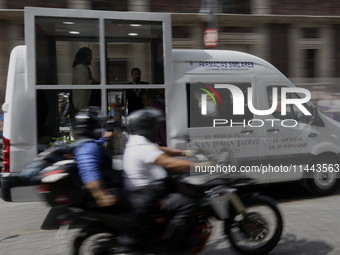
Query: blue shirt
x=89 y=157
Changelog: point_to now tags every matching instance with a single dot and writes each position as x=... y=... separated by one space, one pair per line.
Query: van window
x=205 y=103
x=277 y=113
x=54 y=115
x=292 y=112
x=58 y=40
x=134 y=44
x=298 y=115
x=62 y=43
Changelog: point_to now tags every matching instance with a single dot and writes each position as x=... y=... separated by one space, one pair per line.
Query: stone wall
x=20 y=4
x=305 y=7
x=185 y=6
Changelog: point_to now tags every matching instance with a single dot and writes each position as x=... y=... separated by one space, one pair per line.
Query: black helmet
x=145 y=122
x=88 y=122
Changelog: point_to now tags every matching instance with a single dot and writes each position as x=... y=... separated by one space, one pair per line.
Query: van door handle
x=246 y=131
x=273 y=130
x=312 y=135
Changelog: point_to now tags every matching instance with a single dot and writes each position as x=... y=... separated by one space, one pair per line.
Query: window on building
x=37 y=3
x=180 y=32
x=229 y=29
x=236 y=6
x=310 y=32
x=109 y=5
x=179 y=6
x=310 y=63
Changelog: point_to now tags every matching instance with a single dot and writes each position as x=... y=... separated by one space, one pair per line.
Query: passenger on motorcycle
x=146 y=165
x=91 y=159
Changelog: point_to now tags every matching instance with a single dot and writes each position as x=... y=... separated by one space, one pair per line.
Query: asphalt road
x=311 y=226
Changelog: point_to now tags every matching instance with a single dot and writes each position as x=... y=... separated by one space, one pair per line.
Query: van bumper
x=11 y=180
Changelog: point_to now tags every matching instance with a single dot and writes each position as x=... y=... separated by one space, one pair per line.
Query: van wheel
x=324 y=180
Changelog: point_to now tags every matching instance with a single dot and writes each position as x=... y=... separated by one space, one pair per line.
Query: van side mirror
x=315 y=115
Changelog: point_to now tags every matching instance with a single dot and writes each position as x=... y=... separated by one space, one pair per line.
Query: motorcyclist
x=91 y=159
x=145 y=165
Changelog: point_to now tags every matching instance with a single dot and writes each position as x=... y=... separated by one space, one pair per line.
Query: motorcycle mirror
x=315 y=115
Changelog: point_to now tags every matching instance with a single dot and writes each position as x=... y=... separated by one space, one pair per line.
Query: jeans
x=181 y=206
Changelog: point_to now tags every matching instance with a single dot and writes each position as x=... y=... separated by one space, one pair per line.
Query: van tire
x=5 y=190
x=323 y=183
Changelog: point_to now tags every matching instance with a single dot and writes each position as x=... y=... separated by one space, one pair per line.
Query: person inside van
x=82 y=75
x=134 y=96
x=149 y=100
x=136 y=76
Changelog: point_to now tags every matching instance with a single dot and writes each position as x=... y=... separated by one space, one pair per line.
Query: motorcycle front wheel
x=96 y=241
x=258 y=232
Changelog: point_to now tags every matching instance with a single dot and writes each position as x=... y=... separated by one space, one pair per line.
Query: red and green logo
x=204 y=97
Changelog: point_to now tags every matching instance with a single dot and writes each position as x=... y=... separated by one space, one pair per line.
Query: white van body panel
x=329 y=137
x=285 y=154
x=189 y=65
x=19 y=112
x=210 y=66
x=176 y=123
x=20 y=121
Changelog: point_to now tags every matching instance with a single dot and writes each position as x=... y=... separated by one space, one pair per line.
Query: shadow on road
x=52 y=220
x=283 y=192
x=8 y=237
x=289 y=244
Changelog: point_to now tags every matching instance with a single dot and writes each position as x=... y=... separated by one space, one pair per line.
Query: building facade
x=300 y=38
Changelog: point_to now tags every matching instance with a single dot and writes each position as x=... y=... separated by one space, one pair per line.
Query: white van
x=203 y=89
x=272 y=148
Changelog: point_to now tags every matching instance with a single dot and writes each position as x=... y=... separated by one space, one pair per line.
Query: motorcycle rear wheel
x=263 y=230
x=93 y=240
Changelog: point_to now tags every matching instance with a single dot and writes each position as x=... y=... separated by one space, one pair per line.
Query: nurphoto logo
x=239 y=103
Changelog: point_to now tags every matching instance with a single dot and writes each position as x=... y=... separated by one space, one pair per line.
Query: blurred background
x=301 y=38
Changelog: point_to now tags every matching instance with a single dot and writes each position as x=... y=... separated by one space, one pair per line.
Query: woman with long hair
x=82 y=75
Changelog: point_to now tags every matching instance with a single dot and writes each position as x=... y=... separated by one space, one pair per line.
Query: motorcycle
x=252 y=222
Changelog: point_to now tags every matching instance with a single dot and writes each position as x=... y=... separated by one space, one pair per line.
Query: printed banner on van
x=273 y=134
x=216 y=105
x=226 y=158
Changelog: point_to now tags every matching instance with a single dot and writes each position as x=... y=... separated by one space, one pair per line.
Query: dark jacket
x=134 y=101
